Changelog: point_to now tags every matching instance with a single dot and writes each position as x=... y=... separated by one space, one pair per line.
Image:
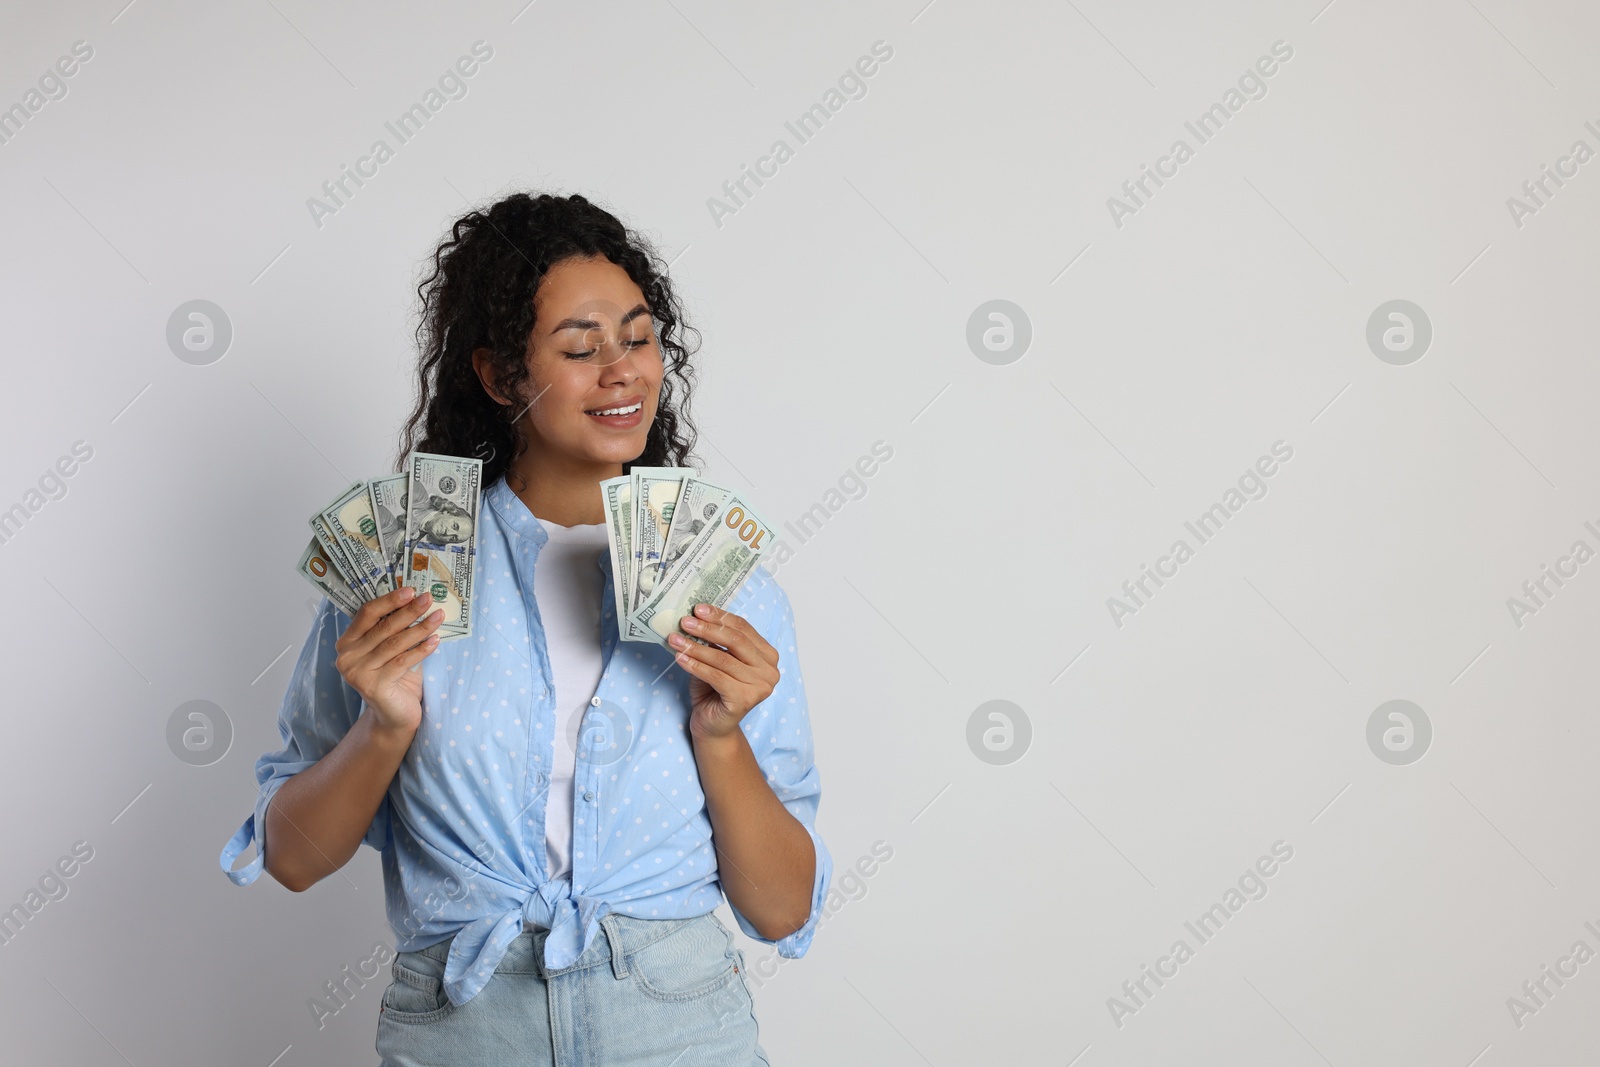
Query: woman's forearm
x=318 y=817
x=765 y=858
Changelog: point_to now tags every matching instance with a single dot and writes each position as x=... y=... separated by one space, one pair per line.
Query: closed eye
x=592 y=351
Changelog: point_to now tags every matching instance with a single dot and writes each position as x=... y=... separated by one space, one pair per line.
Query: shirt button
x=588 y=795
x=595 y=701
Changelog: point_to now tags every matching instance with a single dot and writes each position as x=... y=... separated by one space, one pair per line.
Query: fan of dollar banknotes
x=416 y=528
x=675 y=540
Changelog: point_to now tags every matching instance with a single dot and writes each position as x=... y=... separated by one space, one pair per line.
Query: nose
x=619 y=364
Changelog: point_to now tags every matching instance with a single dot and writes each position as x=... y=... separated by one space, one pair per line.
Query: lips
x=616 y=406
x=633 y=414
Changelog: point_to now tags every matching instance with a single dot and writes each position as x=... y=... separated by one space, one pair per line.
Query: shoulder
x=330 y=624
x=319 y=651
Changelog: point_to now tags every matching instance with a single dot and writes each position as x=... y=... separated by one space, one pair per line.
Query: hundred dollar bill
x=710 y=571
x=320 y=571
x=352 y=524
x=443 y=495
x=389 y=510
x=696 y=508
x=655 y=491
x=349 y=571
x=617 y=496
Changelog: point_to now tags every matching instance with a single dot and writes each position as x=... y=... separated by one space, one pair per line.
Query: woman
x=559 y=813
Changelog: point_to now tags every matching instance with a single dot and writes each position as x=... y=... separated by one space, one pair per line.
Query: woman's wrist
x=394 y=740
x=709 y=749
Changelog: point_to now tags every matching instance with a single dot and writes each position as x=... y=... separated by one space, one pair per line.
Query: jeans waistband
x=623 y=936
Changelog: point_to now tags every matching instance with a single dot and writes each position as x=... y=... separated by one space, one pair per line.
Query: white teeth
x=619 y=411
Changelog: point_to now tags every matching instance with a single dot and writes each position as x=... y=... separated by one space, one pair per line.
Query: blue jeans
x=649 y=992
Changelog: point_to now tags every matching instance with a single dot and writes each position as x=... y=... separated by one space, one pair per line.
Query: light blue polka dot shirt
x=462 y=829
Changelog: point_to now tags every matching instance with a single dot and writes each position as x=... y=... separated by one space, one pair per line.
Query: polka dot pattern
x=462 y=827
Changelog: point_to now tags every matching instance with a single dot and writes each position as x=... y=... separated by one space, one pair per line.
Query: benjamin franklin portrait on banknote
x=441 y=522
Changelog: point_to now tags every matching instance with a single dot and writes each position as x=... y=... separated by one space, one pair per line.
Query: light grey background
x=1168 y=353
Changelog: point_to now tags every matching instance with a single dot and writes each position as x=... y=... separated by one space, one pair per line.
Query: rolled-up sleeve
x=779 y=731
x=318 y=709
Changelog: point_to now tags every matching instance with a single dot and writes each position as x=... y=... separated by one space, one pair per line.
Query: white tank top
x=568 y=584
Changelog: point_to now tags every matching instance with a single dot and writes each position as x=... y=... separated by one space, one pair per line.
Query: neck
x=560 y=489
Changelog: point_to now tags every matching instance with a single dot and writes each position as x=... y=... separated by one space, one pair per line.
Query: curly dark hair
x=480 y=295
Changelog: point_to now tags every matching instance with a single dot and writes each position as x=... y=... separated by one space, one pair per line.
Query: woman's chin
x=615 y=449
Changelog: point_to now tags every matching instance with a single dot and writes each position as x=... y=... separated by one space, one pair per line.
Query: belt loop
x=619 y=957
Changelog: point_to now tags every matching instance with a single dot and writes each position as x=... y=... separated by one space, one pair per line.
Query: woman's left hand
x=723 y=685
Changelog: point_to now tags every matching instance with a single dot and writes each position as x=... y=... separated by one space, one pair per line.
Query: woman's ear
x=485 y=368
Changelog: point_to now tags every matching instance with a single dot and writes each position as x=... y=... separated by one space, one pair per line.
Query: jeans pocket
x=732 y=1004
x=416 y=994
x=694 y=961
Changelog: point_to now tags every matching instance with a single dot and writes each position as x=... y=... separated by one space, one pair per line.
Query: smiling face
x=593 y=349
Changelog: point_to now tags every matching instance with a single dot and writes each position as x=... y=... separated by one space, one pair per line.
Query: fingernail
x=690 y=622
x=407 y=592
x=703 y=610
x=677 y=640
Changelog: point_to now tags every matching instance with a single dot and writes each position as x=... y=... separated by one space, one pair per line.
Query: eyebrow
x=591 y=324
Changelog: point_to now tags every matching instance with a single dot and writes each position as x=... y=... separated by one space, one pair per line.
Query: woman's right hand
x=379 y=648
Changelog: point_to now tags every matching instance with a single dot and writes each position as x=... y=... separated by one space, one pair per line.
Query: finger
x=408 y=637
x=715 y=625
x=726 y=662
x=394 y=622
x=382 y=674
x=728 y=687
x=370 y=612
x=760 y=643
x=406 y=660
x=381 y=645
x=734 y=633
